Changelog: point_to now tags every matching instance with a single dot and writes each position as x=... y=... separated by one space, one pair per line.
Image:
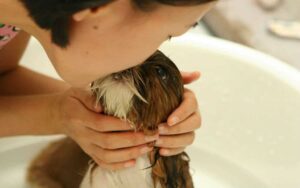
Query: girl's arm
x=12 y=52
x=17 y=80
x=22 y=111
x=22 y=107
x=22 y=81
x=27 y=115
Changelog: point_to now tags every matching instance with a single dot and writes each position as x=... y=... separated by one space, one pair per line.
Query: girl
x=85 y=40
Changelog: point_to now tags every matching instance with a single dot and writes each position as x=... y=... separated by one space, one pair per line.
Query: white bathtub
x=250 y=104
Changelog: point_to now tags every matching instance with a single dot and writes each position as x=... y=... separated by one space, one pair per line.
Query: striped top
x=7 y=32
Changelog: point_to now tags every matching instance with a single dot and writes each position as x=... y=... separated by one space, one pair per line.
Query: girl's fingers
x=90 y=116
x=104 y=123
x=117 y=140
x=190 y=124
x=114 y=166
x=188 y=106
x=175 y=141
x=86 y=98
x=120 y=155
x=189 y=77
x=171 y=151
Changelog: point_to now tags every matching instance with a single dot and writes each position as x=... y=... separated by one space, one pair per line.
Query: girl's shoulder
x=7 y=32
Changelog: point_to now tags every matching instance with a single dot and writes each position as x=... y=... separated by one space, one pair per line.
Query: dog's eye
x=162 y=73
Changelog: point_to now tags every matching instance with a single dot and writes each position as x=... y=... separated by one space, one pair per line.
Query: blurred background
x=270 y=26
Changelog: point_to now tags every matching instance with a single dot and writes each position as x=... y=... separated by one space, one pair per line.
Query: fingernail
x=162 y=130
x=196 y=73
x=151 y=138
x=173 y=121
x=145 y=150
x=129 y=164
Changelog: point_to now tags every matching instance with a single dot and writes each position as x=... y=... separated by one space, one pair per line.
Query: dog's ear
x=161 y=85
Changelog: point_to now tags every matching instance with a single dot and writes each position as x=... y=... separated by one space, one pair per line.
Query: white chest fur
x=117 y=97
x=138 y=176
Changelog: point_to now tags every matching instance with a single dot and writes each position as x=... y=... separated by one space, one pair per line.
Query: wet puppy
x=145 y=96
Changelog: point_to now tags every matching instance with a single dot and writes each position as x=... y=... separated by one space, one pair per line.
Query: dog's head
x=144 y=95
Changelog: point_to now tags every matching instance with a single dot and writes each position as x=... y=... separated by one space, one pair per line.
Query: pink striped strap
x=7 y=32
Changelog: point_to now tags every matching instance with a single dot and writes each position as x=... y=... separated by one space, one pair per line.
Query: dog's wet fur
x=144 y=95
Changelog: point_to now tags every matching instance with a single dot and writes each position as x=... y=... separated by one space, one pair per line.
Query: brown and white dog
x=145 y=96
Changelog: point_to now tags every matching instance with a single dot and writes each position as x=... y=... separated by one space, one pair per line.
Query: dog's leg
x=62 y=164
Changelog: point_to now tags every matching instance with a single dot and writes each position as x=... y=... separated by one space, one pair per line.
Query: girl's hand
x=108 y=140
x=179 y=130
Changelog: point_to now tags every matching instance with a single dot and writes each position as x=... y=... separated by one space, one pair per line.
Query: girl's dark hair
x=54 y=15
